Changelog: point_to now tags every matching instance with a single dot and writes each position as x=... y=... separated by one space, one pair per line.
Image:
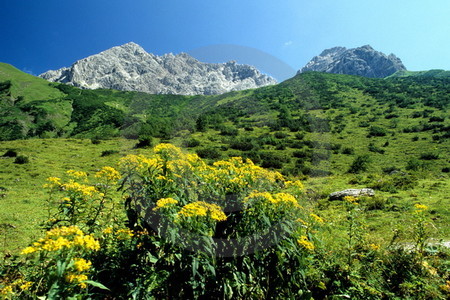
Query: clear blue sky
x=40 y=35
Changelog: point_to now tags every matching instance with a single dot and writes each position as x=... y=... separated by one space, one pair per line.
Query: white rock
x=130 y=68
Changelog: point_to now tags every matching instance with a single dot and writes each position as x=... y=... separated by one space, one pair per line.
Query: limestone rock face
x=352 y=192
x=362 y=61
x=130 y=68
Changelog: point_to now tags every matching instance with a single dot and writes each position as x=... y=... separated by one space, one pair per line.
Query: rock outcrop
x=351 y=192
x=362 y=61
x=130 y=68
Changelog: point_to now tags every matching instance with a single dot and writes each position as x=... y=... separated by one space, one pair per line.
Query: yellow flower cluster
x=77 y=174
x=165 y=202
x=305 y=243
x=8 y=290
x=420 y=207
x=316 y=218
x=53 y=182
x=124 y=234
x=138 y=162
x=235 y=173
x=81 y=264
x=65 y=237
x=277 y=199
x=351 y=200
x=79 y=279
x=295 y=184
x=109 y=173
x=168 y=151
x=85 y=190
x=374 y=247
x=202 y=209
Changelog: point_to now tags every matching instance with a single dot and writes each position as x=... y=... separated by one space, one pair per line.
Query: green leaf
x=96 y=284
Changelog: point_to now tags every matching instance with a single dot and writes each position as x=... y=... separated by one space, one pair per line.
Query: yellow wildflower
x=64 y=231
x=351 y=200
x=446 y=287
x=374 y=247
x=28 y=250
x=138 y=162
x=165 y=202
x=420 y=207
x=87 y=241
x=429 y=268
x=78 y=279
x=109 y=173
x=85 y=190
x=295 y=184
x=266 y=196
x=284 y=198
x=26 y=285
x=305 y=243
x=124 y=234
x=108 y=230
x=6 y=291
x=168 y=151
x=303 y=222
x=316 y=218
x=81 y=264
x=53 y=182
x=77 y=174
x=55 y=245
x=202 y=209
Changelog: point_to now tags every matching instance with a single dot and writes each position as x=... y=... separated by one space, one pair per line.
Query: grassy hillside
x=30 y=87
x=332 y=132
x=345 y=131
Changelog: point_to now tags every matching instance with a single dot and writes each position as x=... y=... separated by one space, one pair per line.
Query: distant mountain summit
x=130 y=68
x=362 y=61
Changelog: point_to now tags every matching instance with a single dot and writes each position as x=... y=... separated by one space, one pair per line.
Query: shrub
x=229 y=131
x=272 y=162
x=280 y=135
x=415 y=164
x=144 y=142
x=209 y=153
x=108 y=152
x=191 y=143
x=243 y=144
x=95 y=141
x=429 y=156
x=436 y=119
x=10 y=153
x=303 y=153
x=21 y=159
x=373 y=148
x=377 y=131
x=360 y=164
x=348 y=150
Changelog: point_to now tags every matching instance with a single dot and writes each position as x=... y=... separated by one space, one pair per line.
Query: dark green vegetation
x=331 y=131
x=313 y=124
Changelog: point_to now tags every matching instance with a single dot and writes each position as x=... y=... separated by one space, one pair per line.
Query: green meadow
x=329 y=132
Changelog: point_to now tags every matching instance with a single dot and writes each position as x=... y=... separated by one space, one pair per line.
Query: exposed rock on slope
x=362 y=61
x=130 y=68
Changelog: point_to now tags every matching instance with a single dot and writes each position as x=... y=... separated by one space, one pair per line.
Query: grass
x=24 y=201
x=30 y=87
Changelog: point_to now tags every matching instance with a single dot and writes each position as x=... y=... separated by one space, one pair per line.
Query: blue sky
x=40 y=35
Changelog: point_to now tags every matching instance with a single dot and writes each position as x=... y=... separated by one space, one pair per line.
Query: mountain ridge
x=362 y=61
x=130 y=68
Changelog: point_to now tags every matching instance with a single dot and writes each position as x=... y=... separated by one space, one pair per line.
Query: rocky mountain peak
x=362 y=61
x=130 y=68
